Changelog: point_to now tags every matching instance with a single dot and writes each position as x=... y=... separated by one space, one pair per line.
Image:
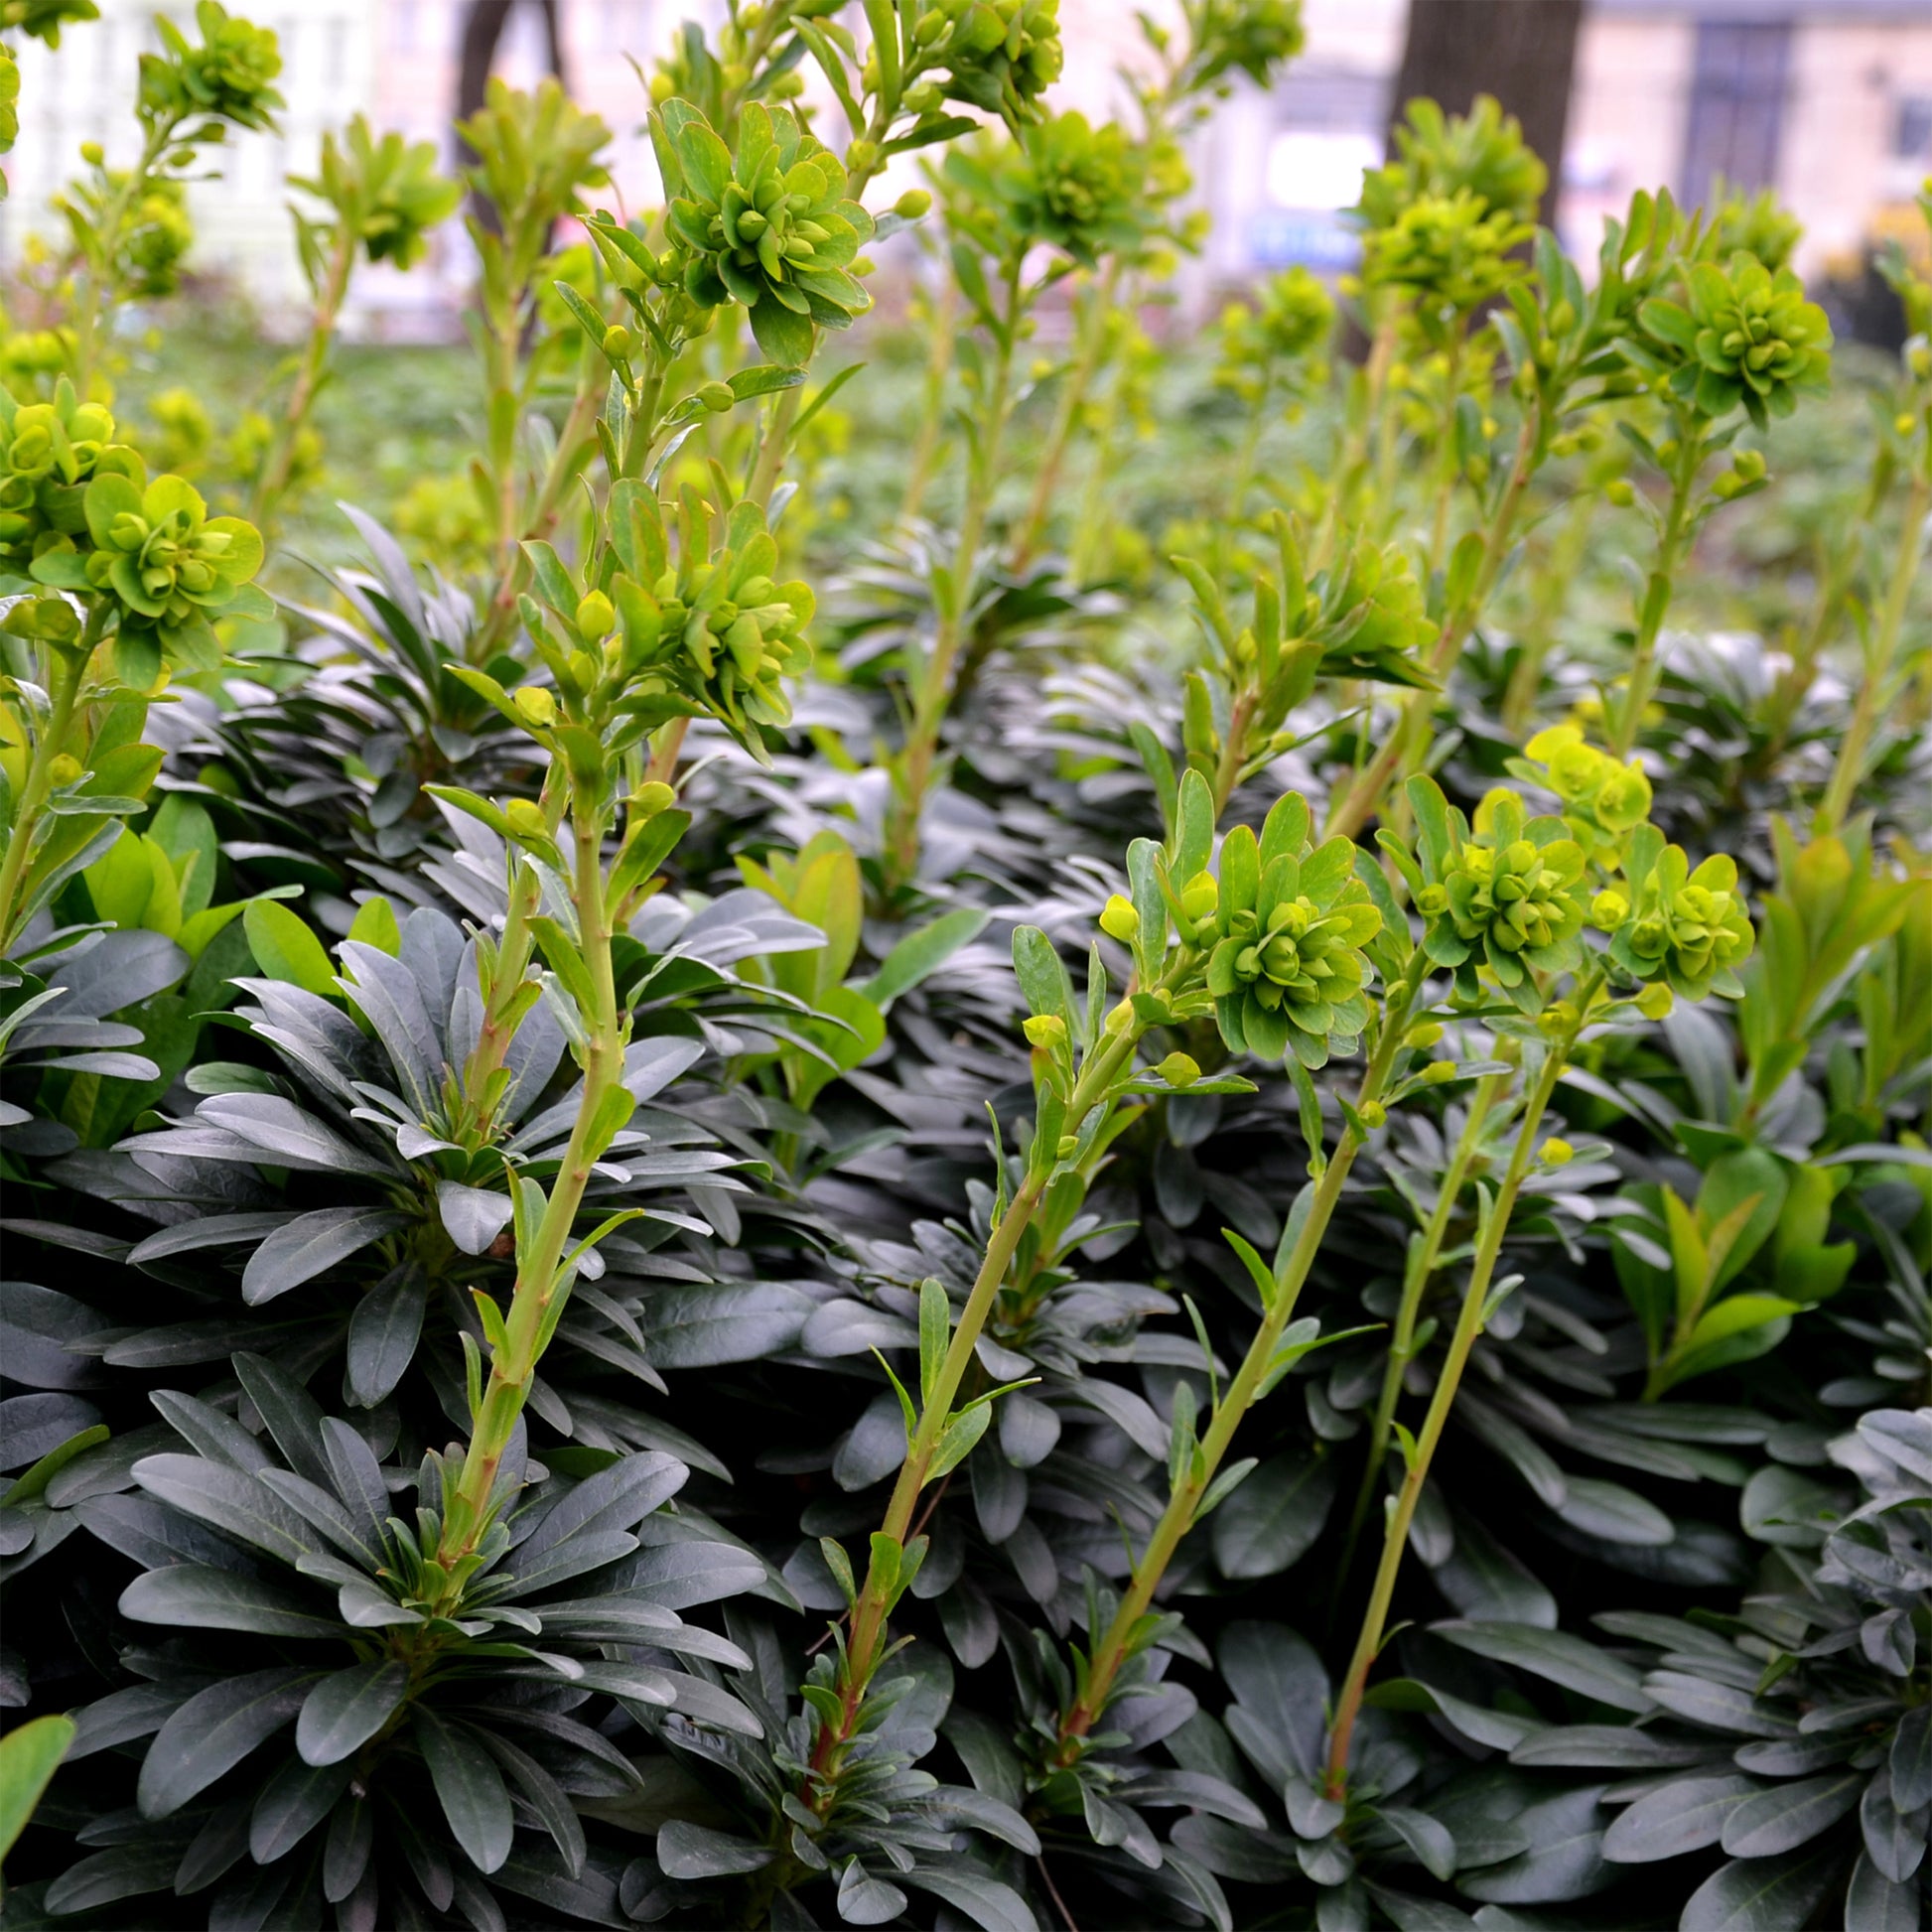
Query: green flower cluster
x=1452 y=252
x=1288 y=925
x=1282 y=340
x=771 y=226
x=1371 y=616
x=713 y=631
x=1251 y=36
x=49 y=452
x=1079 y=188
x=9 y=108
x=389 y=191
x=1757 y=225
x=999 y=55
x=1506 y=894
x=1687 y=928
x=1747 y=336
x=1603 y=799
x=1438 y=155
x=43 y=19
x=229 y=76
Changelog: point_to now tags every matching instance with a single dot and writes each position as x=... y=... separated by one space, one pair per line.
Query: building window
x=1912 y=137
x=1738 y=89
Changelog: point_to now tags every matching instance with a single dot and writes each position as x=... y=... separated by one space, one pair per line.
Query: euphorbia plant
x=1507 y=899
x=122 y=577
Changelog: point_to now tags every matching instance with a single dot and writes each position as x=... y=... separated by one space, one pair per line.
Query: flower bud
x=1656 y=1001
x=1748 y=464
x=1121 y=1017
x=1619 y=492
x=912 y=204
x=63 y=770
x=1426 y=1035
x=1437 y=1072
x=526 y=819
x=716 y=397
x=92 y=153
x=1119 y=920
x=1201 y=896
x=1557 y=1153
x=1372 y=1113
x=595 y=615
x=619 y=342
x=1046 y=1031
x=536 y=705
x=662 y=87
x=862 y=157
x=1608 y=911
x=651 y=799
x=1179 y=1069
x=1431 y=901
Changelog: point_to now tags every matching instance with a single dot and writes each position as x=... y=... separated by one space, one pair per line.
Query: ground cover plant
x=959 y=1117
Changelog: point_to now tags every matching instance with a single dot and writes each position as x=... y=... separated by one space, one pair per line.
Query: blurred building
x=1828 y=102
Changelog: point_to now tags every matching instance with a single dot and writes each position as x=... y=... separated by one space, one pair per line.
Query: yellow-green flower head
x=999 y=55
x=1281 y=339
x=387 y=188
x=1603 y=799
x=1747 y=336
x=1688 y=929
x=156 y=236
x=1757 y=225
x=1251 y=36
x=1509 y=896
x=1286 y=970
x=1438 y=154
x=229 y=76
x=49 y=452
x=1079 y=188
x=770 y=226
x=1450 y=251
x=715 y=626
x=159 y=551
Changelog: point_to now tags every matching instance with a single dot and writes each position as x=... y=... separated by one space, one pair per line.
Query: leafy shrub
x=705 y=1191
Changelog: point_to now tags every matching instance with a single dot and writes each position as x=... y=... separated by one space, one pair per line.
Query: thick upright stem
x=1627 y=720
x=280 y=460
x=918 y=756
x=944 y=324
x=64 y=690
x=96 y=294
x=868 y=1613
x=1870 y=700
x=1421 y=1265
x=529 y=1320
x=1352 y=807
x=1113 y=1650
x=1075 y=389
x=1467 y=1327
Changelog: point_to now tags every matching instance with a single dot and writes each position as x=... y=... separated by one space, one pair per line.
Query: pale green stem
x=1467 y=1327
x=64 y=689
x=1075 y=389
x=279 y=459
x=1421 y=1266
x=1112 y=1650
x=1878 y=667
x=1626 y=721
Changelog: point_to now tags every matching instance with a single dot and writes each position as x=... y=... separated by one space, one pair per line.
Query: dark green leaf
x=346 y=1709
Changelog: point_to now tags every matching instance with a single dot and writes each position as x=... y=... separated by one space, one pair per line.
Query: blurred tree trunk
x=483 y=21
x=1522 y=52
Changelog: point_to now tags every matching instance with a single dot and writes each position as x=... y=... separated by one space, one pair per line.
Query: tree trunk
x=483 y=21
x=1521 y=51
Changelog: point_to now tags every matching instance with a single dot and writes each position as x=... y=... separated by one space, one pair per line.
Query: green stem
x=1421 y=1265
x=1352 y=807
x=944 y=324
x=1467 y=1327
x=1447 y=467
x=1626 y=721
x=1879 y=660
x=280 y=460
x=918 y=758
x=64 y=690
x=1113 y=1650
x=771 y=447
x=868 y=1613
x=1361 y=433
x=1074 y=390
x=1565 y=564
x=97 y=292
x=530 y=1319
